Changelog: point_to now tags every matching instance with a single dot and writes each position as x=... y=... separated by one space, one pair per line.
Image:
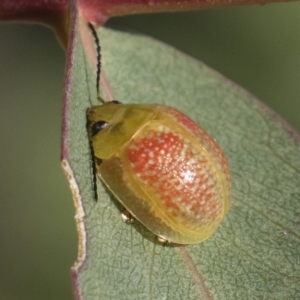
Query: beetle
x=166 y=170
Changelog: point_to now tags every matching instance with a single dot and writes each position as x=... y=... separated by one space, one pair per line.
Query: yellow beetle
x=163 y=168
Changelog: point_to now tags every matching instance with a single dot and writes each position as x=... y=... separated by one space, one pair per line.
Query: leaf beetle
x=167 y=171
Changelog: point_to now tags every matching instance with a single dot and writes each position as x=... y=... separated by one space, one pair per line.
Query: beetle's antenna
x=94 y=171
x=98 y=49
x=93 y=159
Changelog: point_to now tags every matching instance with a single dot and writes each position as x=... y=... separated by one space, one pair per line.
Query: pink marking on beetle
x=209 y=143
x=179 y=173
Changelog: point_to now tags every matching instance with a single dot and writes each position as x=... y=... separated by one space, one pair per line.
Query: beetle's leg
x=162 y=240
x=127 y=217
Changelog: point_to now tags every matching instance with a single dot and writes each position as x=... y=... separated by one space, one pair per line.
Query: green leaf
x=254 y=254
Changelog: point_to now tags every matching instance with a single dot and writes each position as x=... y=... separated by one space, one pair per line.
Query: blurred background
x=257 y=47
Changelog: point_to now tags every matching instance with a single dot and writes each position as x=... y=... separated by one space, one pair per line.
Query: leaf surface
x=255 y=252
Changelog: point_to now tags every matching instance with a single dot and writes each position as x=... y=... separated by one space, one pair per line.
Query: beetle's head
x=112 y=124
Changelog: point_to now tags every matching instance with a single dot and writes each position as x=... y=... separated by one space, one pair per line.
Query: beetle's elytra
x=164 y=169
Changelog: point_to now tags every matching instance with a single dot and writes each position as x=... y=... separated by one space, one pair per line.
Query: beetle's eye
x=116 y=101
x=98 y=126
